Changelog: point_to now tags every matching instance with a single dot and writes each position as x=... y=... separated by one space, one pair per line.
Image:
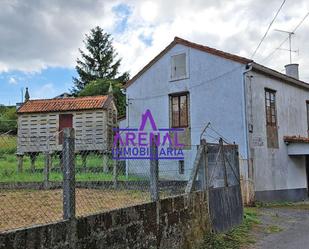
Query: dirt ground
x=20 y=208
x=282 y=228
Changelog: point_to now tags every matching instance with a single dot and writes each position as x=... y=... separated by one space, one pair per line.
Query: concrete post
x=20 y=160
x=105 y=162
x=68 y=157
x=47 y=166
x=115 y=173
x=223 y=162
x=154 y=172
x=203 y=166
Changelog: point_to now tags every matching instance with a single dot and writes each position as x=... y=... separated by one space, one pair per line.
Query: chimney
x=292 y=70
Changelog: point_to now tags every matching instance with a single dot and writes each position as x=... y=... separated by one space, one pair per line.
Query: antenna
x=290 y=42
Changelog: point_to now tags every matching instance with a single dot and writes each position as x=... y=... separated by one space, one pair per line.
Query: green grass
x=8 y=144
x=237 y=237
x=8 y=166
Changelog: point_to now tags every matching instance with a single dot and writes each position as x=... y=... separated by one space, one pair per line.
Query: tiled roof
x=295 y=139
x=64 y=104
x=200 y=47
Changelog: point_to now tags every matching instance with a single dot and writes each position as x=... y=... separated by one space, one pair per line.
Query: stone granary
x=41 y=121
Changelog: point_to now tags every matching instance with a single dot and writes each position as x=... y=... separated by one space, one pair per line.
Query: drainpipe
x=248 y=69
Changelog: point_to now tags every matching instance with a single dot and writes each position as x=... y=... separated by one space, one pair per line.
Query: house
x=188 y=85
x=41 y=121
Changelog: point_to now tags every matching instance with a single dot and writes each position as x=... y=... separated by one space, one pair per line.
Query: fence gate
x=216 y=170
x=225 y=203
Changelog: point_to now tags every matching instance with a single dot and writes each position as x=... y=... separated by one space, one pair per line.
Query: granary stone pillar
x=20 y=160
x=84 y=159
x=32 y=161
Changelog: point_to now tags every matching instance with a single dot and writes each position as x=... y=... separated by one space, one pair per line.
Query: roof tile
x=64 y=104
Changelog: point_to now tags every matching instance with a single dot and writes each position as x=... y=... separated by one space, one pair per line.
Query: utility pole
x=290 y=42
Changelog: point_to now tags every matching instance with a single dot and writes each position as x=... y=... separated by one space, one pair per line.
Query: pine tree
x=99 y=61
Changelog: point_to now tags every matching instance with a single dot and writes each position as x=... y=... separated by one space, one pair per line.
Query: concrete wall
x=216 y=93
x=178 y=222
x=273 y=168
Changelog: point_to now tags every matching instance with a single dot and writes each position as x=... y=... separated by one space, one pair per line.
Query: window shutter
x=178 y=66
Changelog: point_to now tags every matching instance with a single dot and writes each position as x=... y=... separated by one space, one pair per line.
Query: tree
x=8 y=119
x=99 y=61
x=101 y=87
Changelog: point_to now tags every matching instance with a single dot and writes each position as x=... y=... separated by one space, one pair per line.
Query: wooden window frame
x=307 y=111
x=178 y=96
x=172 y=62
x=271 y=118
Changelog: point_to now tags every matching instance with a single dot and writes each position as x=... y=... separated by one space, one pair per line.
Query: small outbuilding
x=41 y=121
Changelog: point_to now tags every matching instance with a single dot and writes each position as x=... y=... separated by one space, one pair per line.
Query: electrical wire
x=280 y=45
x=271 y=23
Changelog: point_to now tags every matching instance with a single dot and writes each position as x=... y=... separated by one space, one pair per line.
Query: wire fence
x=40 y=183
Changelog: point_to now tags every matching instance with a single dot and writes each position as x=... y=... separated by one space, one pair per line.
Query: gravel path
x=282 y=228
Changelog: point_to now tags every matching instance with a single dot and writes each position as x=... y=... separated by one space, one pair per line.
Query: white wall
x=273 y=168
x=216 y=95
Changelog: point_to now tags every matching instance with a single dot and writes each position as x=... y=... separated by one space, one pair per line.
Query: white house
x=188 y=85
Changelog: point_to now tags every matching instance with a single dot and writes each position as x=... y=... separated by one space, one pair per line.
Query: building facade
x=190 y=85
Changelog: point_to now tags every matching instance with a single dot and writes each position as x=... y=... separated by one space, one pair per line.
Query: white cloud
x=48 y=90
x=48 y=33
x=12 y=80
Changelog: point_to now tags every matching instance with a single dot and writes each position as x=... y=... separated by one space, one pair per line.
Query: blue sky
x=45 y=84
x=40 y=39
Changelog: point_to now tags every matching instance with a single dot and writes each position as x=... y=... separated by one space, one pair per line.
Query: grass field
x=30 y=207
x=8 y=166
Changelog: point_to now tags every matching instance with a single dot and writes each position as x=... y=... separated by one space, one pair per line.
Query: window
x=178 y=66
x=179 y=110
x=271 y=118
x=181 y=165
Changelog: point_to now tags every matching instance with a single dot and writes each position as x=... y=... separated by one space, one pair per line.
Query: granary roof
x=65 y=104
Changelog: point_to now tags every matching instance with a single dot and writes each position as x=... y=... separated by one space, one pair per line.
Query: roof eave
x=193 y=45
x=275 y=74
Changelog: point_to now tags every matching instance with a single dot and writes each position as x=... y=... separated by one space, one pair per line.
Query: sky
x=40 y=39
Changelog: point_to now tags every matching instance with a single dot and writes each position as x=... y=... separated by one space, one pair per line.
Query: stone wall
x=176 y=222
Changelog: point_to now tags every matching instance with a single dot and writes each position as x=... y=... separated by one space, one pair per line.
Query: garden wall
x=176 y=222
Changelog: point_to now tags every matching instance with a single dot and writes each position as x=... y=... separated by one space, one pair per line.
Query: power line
x=194 y=86
x=280 y=45
x=271 y=23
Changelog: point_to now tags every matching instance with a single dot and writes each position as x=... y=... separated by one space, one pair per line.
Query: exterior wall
x=178 y=222
x=273 y=168
x=39 y=132
x=216 y=92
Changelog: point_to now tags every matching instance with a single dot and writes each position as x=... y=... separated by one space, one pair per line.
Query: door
x=65 y=121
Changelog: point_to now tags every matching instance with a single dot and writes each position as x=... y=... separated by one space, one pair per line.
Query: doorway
x=65 y=121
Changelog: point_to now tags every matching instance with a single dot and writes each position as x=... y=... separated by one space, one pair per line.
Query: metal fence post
x=154 y=171
x=68 y=157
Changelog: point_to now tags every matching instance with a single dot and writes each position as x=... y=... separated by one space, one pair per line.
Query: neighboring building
x=188 y=85
x=40 y=123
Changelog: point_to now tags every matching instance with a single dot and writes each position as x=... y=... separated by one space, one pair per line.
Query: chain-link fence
x=43 y=179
